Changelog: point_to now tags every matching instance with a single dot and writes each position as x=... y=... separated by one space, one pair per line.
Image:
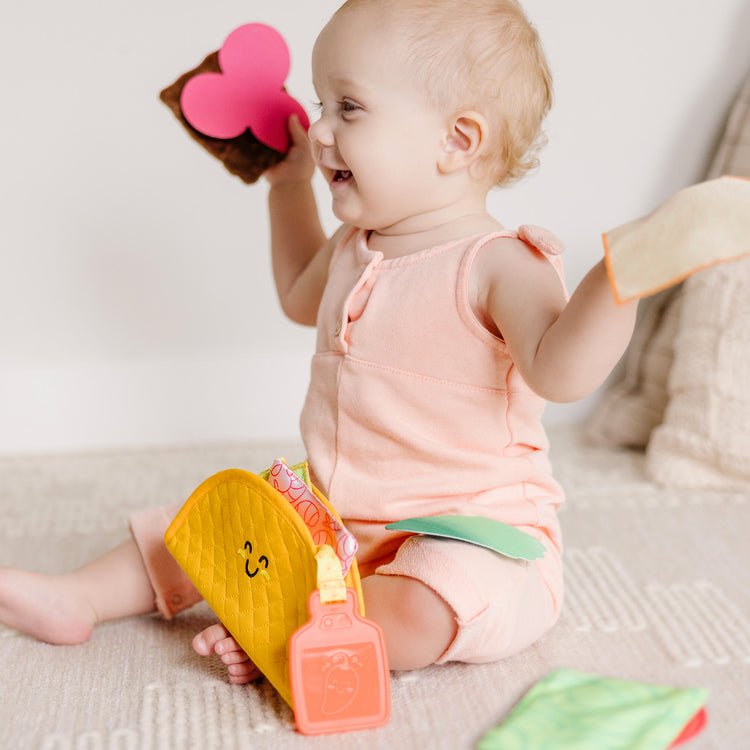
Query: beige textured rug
x=658 y=590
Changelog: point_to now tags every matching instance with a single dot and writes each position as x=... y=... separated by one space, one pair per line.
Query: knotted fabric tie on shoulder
x=542 y=239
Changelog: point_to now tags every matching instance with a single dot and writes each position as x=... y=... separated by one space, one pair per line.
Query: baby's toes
x=207 y=640
x=234 y=657
x=227 y=645
x=243 y=672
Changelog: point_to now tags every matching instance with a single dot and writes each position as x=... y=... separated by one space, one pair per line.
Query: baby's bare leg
x=217 y=640
x=64 y=609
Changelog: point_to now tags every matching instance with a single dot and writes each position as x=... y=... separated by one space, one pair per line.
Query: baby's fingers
x=297 y=131
x=298 y=165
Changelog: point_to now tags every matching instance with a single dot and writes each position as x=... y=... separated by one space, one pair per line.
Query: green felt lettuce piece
x=495 y=535
x=571 y=710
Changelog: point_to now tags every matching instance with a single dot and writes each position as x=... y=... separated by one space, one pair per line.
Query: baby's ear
x=463 y=141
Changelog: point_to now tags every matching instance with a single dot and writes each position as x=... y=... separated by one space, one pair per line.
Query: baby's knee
x=418 y=625
x=499 y=605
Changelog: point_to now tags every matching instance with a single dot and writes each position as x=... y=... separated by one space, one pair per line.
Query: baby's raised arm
x=300 y=250
x=564 y=351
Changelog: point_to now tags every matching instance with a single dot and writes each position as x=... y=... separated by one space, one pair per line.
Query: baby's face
x=377 y=140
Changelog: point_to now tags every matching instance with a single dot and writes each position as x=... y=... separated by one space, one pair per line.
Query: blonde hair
x=481 y=55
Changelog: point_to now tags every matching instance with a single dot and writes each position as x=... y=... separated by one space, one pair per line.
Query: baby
x=440 y=334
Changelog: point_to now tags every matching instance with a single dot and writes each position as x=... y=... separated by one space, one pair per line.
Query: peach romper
x=414 y=409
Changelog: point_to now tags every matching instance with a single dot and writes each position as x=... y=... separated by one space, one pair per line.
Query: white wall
x=137 y=306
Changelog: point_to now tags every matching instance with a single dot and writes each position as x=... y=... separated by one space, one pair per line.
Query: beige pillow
x=635 y=403
x=633 y=407
x=704 y=440
x=733 y=154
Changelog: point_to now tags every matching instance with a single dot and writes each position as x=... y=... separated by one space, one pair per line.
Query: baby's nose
x=320 y=135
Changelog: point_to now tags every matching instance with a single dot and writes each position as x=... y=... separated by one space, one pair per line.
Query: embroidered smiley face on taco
x=250 y=560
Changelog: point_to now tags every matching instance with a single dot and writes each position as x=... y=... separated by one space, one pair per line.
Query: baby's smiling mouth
x=341 y=175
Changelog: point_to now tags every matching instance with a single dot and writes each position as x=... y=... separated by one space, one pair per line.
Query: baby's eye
x=346 y=106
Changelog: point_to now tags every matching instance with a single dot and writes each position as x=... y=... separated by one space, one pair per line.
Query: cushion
x=704 y=440
x=636 y=404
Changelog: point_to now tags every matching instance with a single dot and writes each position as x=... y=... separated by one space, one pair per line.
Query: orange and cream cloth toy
x=275 y=563
x=696 y=228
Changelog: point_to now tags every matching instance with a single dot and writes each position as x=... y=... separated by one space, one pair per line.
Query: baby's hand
x=217 y=640
x=298 y=165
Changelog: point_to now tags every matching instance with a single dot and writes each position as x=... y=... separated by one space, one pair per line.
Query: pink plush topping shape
x=249 y=91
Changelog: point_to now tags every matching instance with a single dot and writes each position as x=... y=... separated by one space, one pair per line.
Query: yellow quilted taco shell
x=253 y=560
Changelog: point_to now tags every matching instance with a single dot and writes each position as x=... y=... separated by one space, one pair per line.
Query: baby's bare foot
x=217 y=640
x=46 y=607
